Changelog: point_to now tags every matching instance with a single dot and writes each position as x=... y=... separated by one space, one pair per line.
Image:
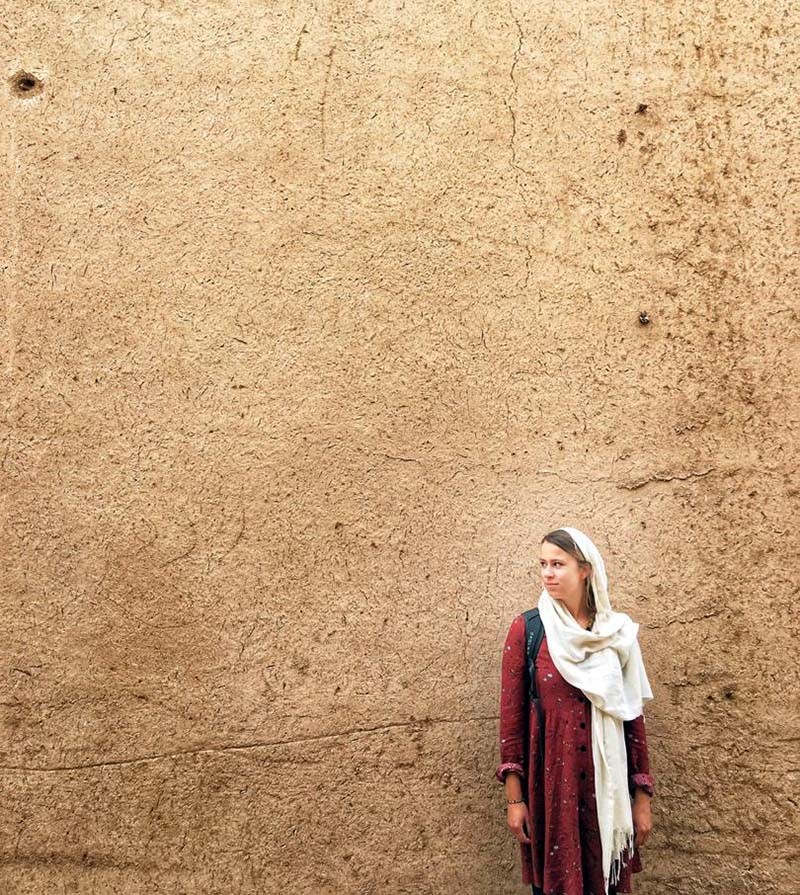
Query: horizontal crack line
x=656 y=477
x=236 y=747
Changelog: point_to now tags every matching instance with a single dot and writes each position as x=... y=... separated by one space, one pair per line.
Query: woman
x=569 y=804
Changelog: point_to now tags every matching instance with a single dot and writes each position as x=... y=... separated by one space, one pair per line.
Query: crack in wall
x=240 y=747
x=322 y=116
x=635 y=485
x=512 y=108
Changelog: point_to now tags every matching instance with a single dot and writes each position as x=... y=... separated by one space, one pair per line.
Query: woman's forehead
x=552 y=551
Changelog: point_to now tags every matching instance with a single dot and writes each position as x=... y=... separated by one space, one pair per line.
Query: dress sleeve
x=513 y=702
x=638 y=759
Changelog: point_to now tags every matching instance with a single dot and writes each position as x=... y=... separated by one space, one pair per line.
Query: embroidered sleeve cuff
x=507 y=766
x=644 y=781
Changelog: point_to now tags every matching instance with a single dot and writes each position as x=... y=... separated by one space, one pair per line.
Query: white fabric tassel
x=623 y=845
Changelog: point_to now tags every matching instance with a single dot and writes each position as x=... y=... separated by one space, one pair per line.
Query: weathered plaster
x=315 y=318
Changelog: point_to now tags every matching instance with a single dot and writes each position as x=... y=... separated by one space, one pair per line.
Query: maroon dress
x=565 y=855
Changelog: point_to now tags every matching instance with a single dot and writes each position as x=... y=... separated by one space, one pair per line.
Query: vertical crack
x=9 y=270
x=511 y=99
x=323 y=110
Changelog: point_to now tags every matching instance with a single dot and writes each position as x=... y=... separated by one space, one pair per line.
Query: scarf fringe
x=623 y=843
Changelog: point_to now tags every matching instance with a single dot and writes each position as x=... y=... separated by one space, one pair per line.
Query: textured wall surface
x=315 y=318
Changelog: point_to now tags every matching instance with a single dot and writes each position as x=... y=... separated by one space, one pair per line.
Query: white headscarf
x=604 y=662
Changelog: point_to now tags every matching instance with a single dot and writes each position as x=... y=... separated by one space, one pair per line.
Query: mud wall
x=316 y=317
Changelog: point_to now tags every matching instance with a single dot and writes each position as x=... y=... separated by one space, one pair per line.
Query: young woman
x=579 y=806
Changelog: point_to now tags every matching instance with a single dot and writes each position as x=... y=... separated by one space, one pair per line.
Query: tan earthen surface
x=315 y=318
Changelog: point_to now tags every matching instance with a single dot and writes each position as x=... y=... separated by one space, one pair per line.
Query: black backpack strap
x=534 y=634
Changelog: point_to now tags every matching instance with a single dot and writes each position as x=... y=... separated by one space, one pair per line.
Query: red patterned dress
x=565 y=855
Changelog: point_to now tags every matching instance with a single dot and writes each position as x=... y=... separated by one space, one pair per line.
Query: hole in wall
x=25 y=85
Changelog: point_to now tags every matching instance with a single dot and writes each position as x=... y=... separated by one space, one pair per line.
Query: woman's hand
x=642 y=820
x=519 y=821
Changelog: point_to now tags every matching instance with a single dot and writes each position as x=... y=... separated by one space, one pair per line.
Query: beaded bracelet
x=514 y=801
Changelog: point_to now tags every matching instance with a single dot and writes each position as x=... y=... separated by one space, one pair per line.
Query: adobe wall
x=315 y=318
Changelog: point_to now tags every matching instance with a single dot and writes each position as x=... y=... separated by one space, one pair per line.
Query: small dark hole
x=641 y=108
x=25 y=84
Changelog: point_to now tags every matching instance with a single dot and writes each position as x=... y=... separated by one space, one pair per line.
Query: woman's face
x=562 y=577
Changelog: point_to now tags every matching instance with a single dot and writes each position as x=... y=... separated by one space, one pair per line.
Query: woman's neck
x=578 y=608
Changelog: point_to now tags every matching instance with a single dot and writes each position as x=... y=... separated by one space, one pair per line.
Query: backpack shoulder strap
x=534 y=633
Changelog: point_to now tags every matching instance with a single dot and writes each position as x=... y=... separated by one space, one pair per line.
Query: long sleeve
x=513 y=702
x=638 y=758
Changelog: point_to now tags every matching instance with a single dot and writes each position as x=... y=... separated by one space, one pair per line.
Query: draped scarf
x=606 y=663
